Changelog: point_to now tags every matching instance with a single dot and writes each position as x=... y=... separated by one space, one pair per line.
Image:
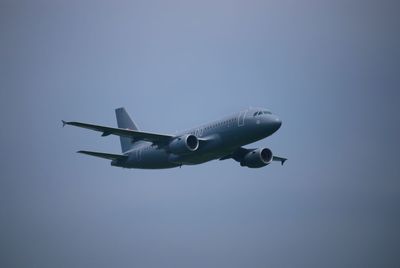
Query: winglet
x=63 y=123
x=280 y=159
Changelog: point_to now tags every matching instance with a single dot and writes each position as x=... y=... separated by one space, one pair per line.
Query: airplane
x=221 y=139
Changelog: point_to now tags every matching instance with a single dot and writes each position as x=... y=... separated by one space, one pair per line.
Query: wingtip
x=283 y=161
x=63 y=123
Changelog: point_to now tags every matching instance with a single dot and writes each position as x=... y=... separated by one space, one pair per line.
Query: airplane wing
x=239 y=153
x=280 y=159
x=137 y=135
x=104 y=155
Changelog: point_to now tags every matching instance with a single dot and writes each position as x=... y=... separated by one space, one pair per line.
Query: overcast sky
x=329 y=69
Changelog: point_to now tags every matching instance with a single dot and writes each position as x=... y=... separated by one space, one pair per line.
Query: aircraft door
x=139 y=155
x=241 y=117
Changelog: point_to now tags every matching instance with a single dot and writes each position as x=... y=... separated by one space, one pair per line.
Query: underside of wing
x=237 y=155
x=241 y=152
x=137 y=135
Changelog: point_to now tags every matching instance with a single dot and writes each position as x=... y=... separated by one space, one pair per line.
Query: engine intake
x=184 y=144
x=257 y=158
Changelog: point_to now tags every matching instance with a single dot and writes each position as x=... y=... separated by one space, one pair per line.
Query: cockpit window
x=261 y=112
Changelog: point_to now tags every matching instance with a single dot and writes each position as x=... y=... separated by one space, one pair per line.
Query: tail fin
x=124 y=121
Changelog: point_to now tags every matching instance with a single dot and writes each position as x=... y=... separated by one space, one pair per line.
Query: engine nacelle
x=257 y=158
x=184 y=144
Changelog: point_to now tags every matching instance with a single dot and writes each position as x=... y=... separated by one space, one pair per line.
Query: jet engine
x=257 y=158
x=184 y=144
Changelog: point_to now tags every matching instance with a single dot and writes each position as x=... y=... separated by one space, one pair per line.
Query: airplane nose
x=272 y=123
x=276 y=123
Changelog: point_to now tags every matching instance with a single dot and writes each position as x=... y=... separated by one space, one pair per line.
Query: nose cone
x=270 y=124
x=276 y=123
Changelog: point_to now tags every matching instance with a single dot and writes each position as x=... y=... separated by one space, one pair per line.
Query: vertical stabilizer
x=125 y=122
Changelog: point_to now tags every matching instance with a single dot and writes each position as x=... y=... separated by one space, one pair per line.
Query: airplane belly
x=198 y=157
x=150 y=159
x=217 y=147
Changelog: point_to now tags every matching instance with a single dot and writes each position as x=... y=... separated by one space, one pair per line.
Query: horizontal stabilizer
x=105 y=155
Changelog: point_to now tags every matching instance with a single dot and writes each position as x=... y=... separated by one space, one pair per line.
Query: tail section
x=125 y=122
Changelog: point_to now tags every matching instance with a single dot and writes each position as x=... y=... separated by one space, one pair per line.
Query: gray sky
x=329 y=69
